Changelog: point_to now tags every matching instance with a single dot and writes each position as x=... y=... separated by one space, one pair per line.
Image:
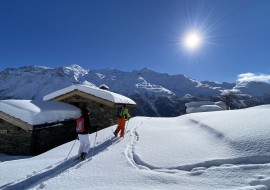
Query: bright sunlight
x=192 y=41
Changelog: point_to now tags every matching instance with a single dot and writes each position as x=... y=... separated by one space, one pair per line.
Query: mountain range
x=156 y=94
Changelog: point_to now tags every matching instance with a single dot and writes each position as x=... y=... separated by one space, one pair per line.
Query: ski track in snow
x=38 y=178
x=248 y=163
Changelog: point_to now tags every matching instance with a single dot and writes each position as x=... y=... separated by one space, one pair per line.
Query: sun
x=192 y=41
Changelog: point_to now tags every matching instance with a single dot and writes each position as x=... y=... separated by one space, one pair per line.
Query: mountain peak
x=145 y=69
x=76 y=69
x=75 y=66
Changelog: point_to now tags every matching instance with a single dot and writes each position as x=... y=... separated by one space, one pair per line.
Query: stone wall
x=100 y=115
x=51 y=137
x=20 y=142
x=16 y=142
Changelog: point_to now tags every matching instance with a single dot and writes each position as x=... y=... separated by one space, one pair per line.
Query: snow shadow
x=207 y=164
x=263 y=182
x=6 y=158
x=233 y=161
x=51 y=171
x=214 y=132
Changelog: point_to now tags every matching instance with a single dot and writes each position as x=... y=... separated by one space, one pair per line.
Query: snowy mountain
x=224 y=150
x=157 y=94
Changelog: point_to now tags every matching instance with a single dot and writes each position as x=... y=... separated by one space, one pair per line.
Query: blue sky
x=133 y=34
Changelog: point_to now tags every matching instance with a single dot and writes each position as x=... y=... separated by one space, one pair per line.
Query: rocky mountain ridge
x=156 y=94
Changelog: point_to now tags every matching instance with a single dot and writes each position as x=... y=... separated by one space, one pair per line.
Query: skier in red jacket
x=84 y=135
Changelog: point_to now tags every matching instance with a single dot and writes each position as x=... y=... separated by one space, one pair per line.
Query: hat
x=86 y=110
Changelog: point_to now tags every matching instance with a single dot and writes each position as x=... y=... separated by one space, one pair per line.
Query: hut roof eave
x=88 y=96
x=102 y=96
x=15 y=121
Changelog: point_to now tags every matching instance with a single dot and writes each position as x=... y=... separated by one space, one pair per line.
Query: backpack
x=119 y=114
x=80 y=125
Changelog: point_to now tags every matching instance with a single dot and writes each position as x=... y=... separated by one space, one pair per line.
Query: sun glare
x=192 y=41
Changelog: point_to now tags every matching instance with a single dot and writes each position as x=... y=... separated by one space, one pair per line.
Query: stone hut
x=204 y=106
x=32 y=127
x=103 y=104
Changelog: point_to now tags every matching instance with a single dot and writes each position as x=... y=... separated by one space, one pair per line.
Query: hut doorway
x=78 y=104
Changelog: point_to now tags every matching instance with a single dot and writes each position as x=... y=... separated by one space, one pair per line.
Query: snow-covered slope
x=205 y=151
x=255 y=89
x=34 y=82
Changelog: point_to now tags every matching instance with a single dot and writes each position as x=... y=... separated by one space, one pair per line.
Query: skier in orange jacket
x=122 y=114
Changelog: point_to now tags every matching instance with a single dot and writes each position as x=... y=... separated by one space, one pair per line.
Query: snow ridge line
x=251 y=160
x=54 y=170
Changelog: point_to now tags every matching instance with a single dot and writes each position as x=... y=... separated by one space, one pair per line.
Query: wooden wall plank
x=15 y=121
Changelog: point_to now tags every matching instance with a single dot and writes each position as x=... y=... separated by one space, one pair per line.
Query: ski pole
x=126 y=126
x=94 y=144
x=72 y=147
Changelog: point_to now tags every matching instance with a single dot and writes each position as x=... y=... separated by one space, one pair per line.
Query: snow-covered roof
x=205 y=106
x=39 y=112
x=103 y=94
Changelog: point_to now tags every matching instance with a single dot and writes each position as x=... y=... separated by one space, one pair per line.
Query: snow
x=227 y=149
x=205 y=106
x=39 y=112
x=104 y=94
